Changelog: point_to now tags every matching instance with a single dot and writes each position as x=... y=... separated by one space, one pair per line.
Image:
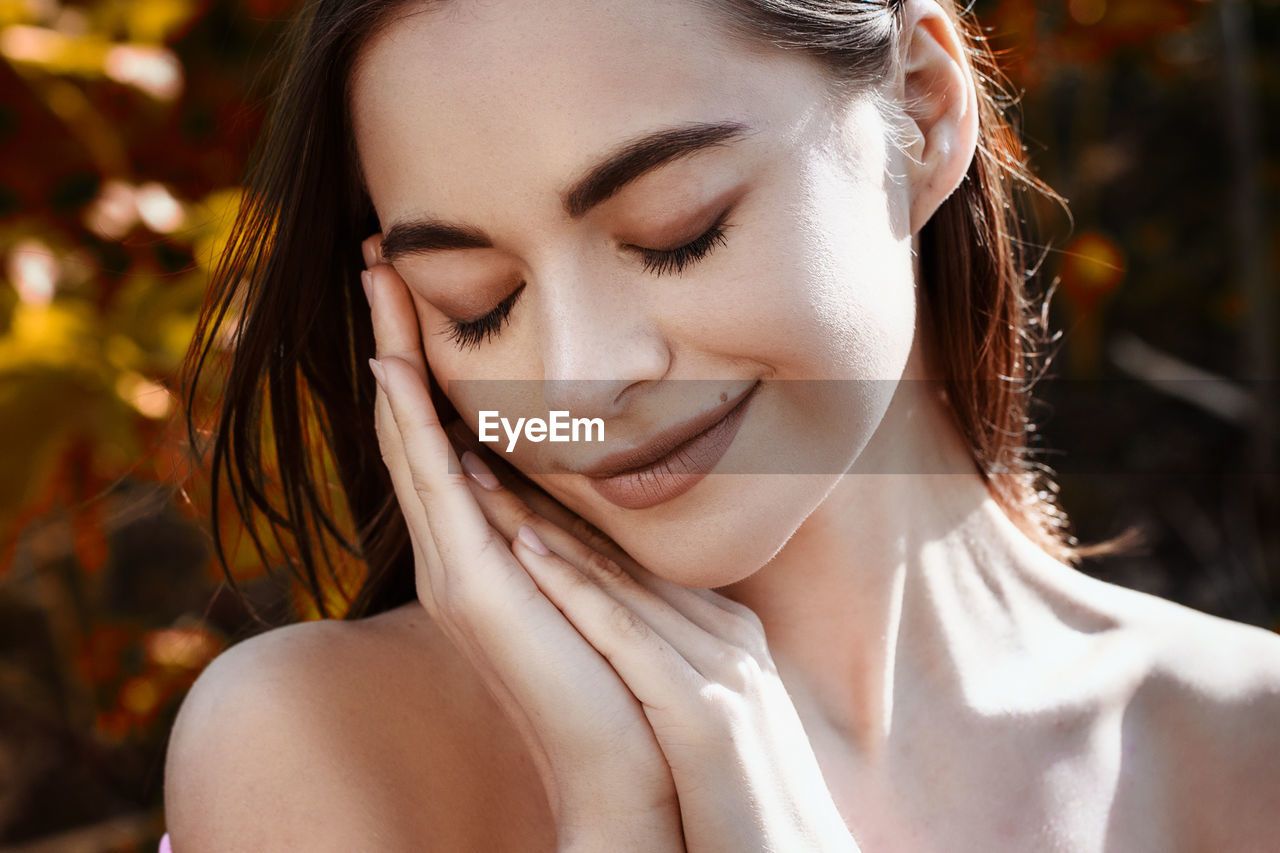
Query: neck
x=903 y=582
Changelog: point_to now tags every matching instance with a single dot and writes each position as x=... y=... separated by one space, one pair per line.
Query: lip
x=673 y=461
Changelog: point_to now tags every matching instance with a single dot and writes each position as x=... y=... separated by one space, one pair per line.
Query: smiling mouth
x=673 y=461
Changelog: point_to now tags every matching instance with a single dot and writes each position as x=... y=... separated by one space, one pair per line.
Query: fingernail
x=480 y=472
x=370 y=256
x=366 y=279
x=379 y=373
x=527 y=535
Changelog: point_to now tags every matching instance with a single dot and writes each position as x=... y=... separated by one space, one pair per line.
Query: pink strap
x=164 y=844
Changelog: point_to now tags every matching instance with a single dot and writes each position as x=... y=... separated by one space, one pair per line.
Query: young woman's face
x=757 y=236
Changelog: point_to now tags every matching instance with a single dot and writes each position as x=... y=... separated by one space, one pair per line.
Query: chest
x=1011 y=794
x=1067 y=782
x=1065 y=786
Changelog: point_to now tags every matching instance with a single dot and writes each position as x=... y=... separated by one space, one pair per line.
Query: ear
x=941 y=103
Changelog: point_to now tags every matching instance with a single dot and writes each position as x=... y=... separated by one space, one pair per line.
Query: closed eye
x=663 y=261
x=469 y=334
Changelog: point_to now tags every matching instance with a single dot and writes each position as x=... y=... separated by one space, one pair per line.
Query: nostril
x=594 y=350
x=587 y=397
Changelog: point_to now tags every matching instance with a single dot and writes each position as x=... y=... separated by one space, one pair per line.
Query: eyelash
x=470 y=334
x=661 y=261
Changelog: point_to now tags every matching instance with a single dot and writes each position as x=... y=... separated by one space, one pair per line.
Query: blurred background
x=125 y=126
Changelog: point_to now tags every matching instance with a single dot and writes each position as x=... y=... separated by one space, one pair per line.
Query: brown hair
x=296 y=389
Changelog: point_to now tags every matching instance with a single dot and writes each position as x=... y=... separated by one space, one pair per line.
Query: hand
x=745 y=774
x=605 y=776
x=692 y=663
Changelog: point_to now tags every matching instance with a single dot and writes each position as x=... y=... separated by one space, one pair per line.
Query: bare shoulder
x=1225 y=666
x=371 y=734
x=1210 y=705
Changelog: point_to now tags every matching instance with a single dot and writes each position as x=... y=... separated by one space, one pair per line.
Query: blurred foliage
x=124 y=129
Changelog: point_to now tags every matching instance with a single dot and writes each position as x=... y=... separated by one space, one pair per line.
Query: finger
x=528 y=654
x=493 y=468
x=462 y=534
x=656 y=673
x=371 y=249
x=509 y=502
x=393 y=456
x=395 y=323
x=697 y=629
x=427 y=559
x=426 y=556
x=468 y=572
x=396 y=330
x=506 y=630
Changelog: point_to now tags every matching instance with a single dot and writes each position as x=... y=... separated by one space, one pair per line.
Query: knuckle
x=748 y=633
x=731 y=659
x=426 y=489
x=627 y=624
x=753 y=621
x=454 y=479
x=578 y=581
x=492 y=548
x=604 y=568
x=717 y=705
x=521 y=514
x=384 y=433
x=740 y=625
x=587 y=532
x=420 y=484
x=733 y=667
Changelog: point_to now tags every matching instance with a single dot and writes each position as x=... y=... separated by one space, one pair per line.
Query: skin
x=774 y=304
x=830 y=661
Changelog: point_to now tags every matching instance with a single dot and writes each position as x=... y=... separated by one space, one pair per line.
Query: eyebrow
x=627 y=164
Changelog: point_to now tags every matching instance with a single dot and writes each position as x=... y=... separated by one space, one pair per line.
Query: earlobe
x=940 y=99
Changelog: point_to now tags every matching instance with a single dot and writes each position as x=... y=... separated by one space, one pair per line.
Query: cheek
x=817 y=280
x=828 y=306
x=860 y=268
x=829 y=294
x=862 y=294
x=488 y=379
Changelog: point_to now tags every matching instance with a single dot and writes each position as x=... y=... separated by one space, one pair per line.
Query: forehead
x=469 y=108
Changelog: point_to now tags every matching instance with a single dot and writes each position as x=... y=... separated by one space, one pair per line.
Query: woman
x=806 y=598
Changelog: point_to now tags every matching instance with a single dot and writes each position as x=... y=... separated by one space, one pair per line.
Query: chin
x=729 y=535
x=736 y=520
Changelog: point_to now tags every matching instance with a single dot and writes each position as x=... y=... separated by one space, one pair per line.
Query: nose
x=600 y=340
